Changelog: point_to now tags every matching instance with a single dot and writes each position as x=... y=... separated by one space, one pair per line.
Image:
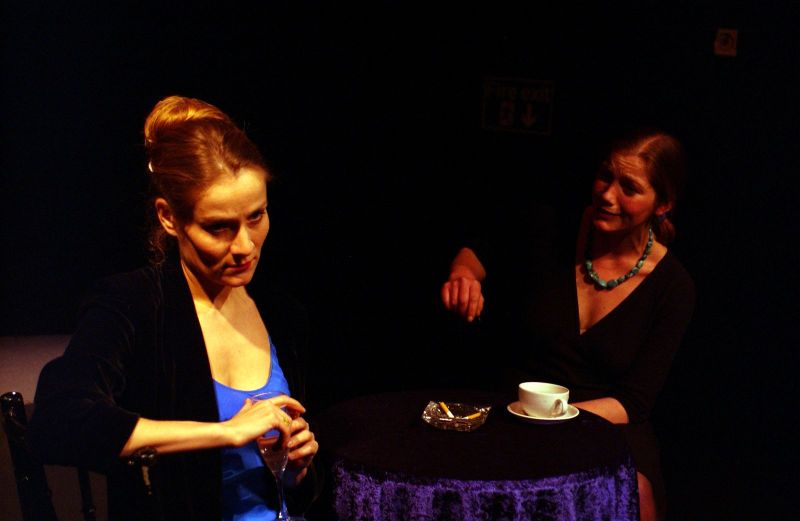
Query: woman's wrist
x=467 y=265
x=227 y=435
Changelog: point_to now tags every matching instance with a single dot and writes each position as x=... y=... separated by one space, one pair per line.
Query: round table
x=388 y=464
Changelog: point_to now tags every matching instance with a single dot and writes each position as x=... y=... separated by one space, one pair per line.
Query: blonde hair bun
x=174 y=111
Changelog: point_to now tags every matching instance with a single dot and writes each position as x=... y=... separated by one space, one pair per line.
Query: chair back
x=35 y=497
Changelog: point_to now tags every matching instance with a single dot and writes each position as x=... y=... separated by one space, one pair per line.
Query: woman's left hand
x=302 y=449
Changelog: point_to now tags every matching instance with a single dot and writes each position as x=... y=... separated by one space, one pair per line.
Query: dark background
x=370 y=117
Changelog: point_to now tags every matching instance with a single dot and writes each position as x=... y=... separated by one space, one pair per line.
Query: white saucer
x=516 y=409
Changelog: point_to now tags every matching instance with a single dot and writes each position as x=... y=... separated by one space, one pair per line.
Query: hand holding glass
x=274 y=452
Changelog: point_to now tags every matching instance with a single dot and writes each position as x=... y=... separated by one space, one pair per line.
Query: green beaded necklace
x=611 y=284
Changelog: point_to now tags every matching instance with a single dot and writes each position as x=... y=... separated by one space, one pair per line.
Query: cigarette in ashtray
x=449 y=414
x=446 y=410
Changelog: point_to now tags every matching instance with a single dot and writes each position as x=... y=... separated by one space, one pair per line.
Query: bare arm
x=252 y=420
x=608 y=408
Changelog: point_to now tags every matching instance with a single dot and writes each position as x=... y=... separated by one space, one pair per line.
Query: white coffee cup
x=543 y=400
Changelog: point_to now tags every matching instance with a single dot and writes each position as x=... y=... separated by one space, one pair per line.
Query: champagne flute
x=274 y=454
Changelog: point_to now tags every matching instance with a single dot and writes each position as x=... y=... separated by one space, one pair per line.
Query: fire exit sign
x=518 y=105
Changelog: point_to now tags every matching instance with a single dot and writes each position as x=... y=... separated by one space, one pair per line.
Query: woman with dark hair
x=167 y=357
x=602 y=307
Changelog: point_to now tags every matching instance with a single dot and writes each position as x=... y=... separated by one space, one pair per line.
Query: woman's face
x=221 y=243
x=622 y=197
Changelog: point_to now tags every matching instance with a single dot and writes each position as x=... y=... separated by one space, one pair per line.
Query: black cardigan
x=138 y=350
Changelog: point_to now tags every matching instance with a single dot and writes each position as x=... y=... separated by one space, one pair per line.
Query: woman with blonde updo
x=167 y=356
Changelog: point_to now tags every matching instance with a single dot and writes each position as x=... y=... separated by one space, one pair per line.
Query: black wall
x=371 y=119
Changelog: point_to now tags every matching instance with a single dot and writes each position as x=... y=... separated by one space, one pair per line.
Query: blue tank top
x=244 y=476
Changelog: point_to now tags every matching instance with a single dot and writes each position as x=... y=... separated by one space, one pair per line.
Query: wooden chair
x=35 y=497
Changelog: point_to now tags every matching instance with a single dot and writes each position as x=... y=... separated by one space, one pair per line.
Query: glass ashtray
x=455 y=416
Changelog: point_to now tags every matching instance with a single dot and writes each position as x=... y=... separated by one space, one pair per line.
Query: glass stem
x=282 y=514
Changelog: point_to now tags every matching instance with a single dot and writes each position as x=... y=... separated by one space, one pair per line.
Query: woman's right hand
x=257 y=417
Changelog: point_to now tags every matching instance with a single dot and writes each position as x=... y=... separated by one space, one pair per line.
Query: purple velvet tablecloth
x=387 y=464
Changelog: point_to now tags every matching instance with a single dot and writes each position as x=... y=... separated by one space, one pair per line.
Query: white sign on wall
x=518 y=105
